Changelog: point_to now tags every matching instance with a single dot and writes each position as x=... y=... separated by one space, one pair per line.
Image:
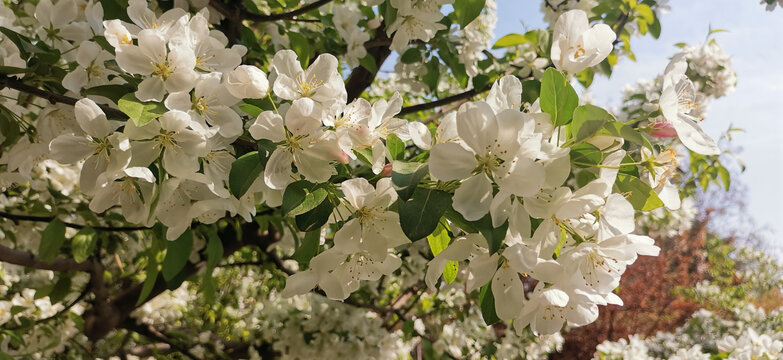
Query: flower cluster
x=753 y=334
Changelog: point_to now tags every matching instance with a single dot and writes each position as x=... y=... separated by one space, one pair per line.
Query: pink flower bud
x=387 y=169
x=663 y=129
x=343 y=158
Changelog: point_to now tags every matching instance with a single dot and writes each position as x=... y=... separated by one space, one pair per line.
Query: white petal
x=474 y=197
x=277 y=174
x=450 y=161
x=509 y=293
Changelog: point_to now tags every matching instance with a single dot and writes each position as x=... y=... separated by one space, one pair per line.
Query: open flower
x=103 y=149
x=491 y=153
x=576 y=45
x=678 y=101
x=300 y=141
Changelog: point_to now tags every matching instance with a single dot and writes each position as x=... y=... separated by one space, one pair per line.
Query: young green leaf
x=558 y=98
x=83 y=244
x=140 y=112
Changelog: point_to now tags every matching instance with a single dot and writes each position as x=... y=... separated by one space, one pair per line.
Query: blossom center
x=308 y=86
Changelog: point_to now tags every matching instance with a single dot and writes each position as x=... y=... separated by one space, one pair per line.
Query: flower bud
x=247 y=82
x=663 y=129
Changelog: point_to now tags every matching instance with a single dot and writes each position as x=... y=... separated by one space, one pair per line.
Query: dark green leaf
x=530 y=90
x=214 y=249
x=494 y=235
x=302 y=196
x=112 y=92
x=487 y=300
x=480 y=81
x=433 y=74
x=244 y=172
x=308 y=247
x=315 y=218
x=52 y=238
x=406 y=176
x=411 y=56
x=467 y=11
x=368 y=62
x=151 y=272
x=177 y=254
x=419 y=216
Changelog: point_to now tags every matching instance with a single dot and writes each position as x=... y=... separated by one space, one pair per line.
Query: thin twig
x=230 y=11
x=21 y=217
x=16 y=84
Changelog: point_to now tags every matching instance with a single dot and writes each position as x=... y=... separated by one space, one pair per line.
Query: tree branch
x=97 y=324
x=27 y=259
x=238 y=14
x=20 y=217
x=16 y=84
x=361 y=78
x=153 y=334
x=445 y=101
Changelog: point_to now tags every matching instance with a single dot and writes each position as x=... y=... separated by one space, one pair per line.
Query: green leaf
x=433 y=74
x=302 y=196
x=645 y=12
x=251 y=110
x=655 y=28
x=406 y=177
x=640 y=195
x=314 y=218
x=61 y=289
x=588 y=121
x=439 y=240
x=177 y=254
x=558 y=98
x=214 y=249
x=368 y=62
x=626 y=132
x=10 y=70
x=115 y=9
x=244 y=172
x=395 y=146
x=140 y=112
x=530 y=91
x=112 y=92
x=480 y=81
x=52 y=239
x=586 y=155
x=301 y=46
x=585 y=77
x=494 y=235
x=308 y=247
x=725 y=177
x=487 y=301
x=510 y=40
x=419 y=215
x=467 y=11
x=151 y=272
x=411 y=56
x=83 y=244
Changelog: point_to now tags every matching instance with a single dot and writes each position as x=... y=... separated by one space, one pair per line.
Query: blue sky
x=754 y=40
